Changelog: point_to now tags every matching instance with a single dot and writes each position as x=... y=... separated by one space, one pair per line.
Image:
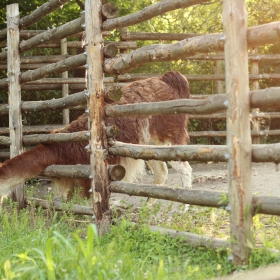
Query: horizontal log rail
x=204 y=153
x=224 y=133
x=81 y=136
x=59 y=206
x=36 y=15
x=66 y=81
x=257 y=36
x=260 y=204
x=31 y=33
x=50 y=69
x=264 y=99
x=198 y=77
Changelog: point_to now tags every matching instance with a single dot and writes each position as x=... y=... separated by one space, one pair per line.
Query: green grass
x=43 y=244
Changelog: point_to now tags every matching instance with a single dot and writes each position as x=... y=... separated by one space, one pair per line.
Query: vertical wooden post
x=15 y=119
x=98 y=141
x=65 y=87
x=238 y=128
x=255 y=86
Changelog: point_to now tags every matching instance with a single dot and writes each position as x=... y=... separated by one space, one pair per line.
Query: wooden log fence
x=239 y=158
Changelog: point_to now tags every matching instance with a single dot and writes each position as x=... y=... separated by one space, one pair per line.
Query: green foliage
x=37 y=244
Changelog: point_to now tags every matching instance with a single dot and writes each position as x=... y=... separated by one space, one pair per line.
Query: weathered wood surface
x=33 y=129
x=53 y=34
x=265 y=99
x=257 y=35
x=66 y=81
x=109 y=10
x=148 y=13
x=111 y=132
x=55 y=104
x=98 y=140
x=113 y=94
x=31 y=33
x=55 y=137
x=219 y=153
x=50 y=69
x=65 y=87
x=15 y=118
x=255 y=86
x=238 y=129
x=224 y=133
x=36 y=15
x=75 y=44
x=260 y=204
x=71 y=171
x=207 y=77
x=195 y=240
x=116 y=172
x=59 y=206
x=155 y=36
x=213 y=104
x=110 y=50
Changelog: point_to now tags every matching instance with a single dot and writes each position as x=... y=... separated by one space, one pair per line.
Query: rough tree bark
x=98 y=142
x=238 y=129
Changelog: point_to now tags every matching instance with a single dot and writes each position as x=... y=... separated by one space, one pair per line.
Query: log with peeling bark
x=260 y=204
x=148 y=13
x=71 y=171
x=112 y=131
x=56 y=137
x=199 y=77
x=59 y=206
x=58 y=33
x=98 y=140
x=67 y=81
x=116 y=172
x=36 y=15
x=33 y=129
x=71 y=44
x=224 y=133
x=213 y=104
x=55 y=104
x=109 y=10
x=113 y=94
x=257 y=35
x=204 y=153
x=31 y=33
x=195 y=240
x=110 y=50
x=156 y=36
x=266 y=99
x=50 y=69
